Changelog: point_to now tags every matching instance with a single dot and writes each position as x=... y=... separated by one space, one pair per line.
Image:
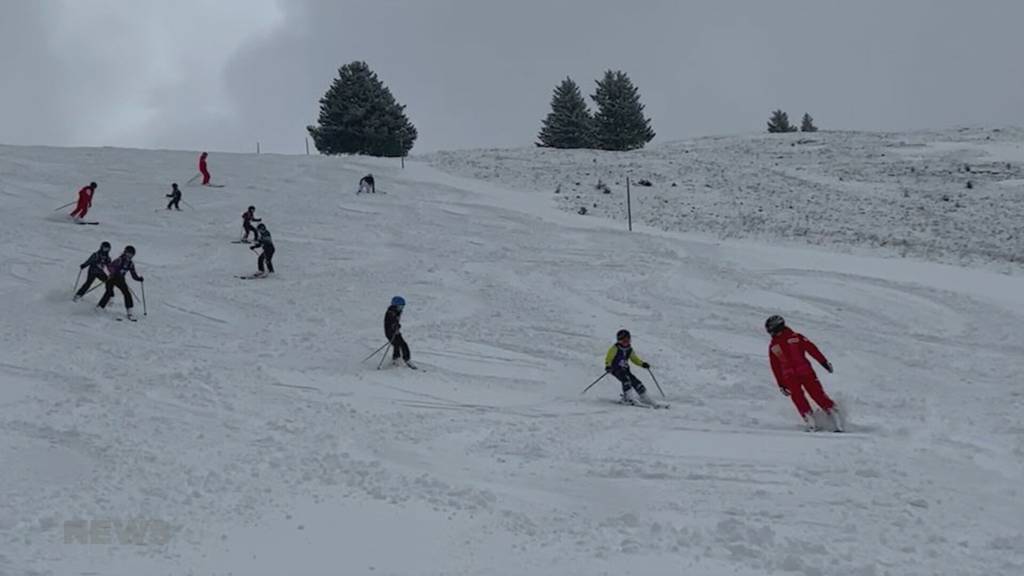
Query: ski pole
x=386 y=344
x=65 y=206
x=383 y=356
x=594 y=382
x=101 y=283
x=187 y=204
x=143 y=286
x=77 y=278
x=192 y=179
x=656 y=382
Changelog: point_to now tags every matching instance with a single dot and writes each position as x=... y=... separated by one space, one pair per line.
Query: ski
x=251 y=276
x=635 y=404
x=239 y=241
x=119 y=319
x=87 y=223
x=215 y=185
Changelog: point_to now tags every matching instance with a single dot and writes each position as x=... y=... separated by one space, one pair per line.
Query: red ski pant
x=81 y=209
x=206 y=175
x=813 y=387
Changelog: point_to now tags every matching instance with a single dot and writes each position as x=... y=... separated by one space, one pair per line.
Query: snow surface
x=903 y=193
x=238 y=413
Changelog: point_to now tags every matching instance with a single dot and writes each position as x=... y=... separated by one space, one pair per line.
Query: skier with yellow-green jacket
x=617 y=361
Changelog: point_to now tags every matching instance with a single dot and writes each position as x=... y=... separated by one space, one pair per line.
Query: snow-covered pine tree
x=569 y=124
x=619 y=123
x=359 y=115
x=779 y=122
x=807 y=124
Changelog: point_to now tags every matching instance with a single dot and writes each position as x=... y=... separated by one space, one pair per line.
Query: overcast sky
x=222 y=74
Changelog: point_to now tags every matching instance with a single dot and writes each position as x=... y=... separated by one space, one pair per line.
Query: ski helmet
x=129 y=249
x=252 y=208
x=261 y=226
x=398 y=301
x=92 y=185
x=774 y=323
x=105 y=246
x=174 y=185
x=622 y=335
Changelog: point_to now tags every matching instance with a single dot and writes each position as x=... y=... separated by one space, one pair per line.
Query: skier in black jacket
x=393 y=332
x=175 y=197
x=97 y=264
x=119 y=268
x=264 y=241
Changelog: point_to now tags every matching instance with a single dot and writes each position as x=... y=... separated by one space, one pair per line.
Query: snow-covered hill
x=234 y=430
x=954 y=196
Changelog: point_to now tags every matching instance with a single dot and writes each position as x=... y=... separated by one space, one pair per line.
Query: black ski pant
x=629 y=380
x=121 y=285
x=266 y=257
x=93 y=275
x=246 y=228
x=401 y=348
x=174 y=202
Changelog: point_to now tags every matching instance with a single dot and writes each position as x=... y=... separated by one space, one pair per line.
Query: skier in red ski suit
x=203 y=170
x=794 y=374
x=84 y=201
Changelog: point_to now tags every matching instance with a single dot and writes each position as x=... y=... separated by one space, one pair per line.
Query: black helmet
x=251 y=208
x=774 y=324
x=261 y=226
x=174 y=184
x=622 y=335
x=129 y=249
x=92 y=185
x=105 y=246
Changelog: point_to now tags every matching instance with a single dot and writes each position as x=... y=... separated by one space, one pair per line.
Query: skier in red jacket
x=203 y=170
x=793 y=372
x=84 y=201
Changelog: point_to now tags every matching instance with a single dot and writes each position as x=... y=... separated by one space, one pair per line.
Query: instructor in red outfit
x=794 y=374
x=203 y=170
x=84 y=201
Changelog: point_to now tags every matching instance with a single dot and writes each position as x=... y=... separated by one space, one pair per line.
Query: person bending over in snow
x=366 y=185
x=175 y=197
x=120 y=267
x=203 y=169
x=97 y=264
x=393 y=332
x=264 y=241
x=248 y=217
x=616 y=362
x=793 y=372
x=84 y=201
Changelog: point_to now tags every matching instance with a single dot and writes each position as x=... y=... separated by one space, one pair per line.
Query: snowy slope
x=237 y=413
x=897 y=194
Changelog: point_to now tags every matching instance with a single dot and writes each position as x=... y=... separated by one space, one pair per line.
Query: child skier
x=616 y=362
x=393 y=332
x=97 y=264
x=121 y=266
x=248 y=217
x=175 y=197
x=793 y=373
x=366 y=185
x=203 y=170
x=84 y=201
x=265 y=242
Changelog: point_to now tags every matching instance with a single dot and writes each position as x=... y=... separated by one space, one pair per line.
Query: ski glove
x=828 y=367
x=784 y=391
x=646 y=366
x=141 y=279
x=608 y=369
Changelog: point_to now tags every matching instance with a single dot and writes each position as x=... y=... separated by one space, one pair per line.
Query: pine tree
x=619 y=123
x=569 y=124
x=807 y=124
x=358 y=115
x=780 y=123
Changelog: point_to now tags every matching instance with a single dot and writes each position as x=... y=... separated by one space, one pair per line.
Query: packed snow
x=235 y=429
x=952 y=196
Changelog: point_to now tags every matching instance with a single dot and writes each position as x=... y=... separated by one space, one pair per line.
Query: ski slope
x=236 y=424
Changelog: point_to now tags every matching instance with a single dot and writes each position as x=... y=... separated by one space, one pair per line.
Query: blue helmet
x=398 y=301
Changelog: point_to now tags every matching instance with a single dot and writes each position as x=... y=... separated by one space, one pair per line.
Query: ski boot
x=837 y=419
x=809 y=424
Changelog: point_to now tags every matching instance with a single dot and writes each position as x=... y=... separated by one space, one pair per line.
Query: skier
x=248 y=217
x=366 y=185
x=393 y=332
x=793 y=373
x=265 y=242
x=118 y=268
x=97 y=264
x=84 y=201
x=203 y=170
x=616 y=362
x=175 y=197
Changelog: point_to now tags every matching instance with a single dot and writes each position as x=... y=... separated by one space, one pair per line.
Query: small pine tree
x=619 y=123
x=569 y=124
x=779 y=122
x=807 y=124
x=358 y=115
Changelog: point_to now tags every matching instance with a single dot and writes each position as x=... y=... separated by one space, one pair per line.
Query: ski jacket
x=85 y=196
x=202 y=164
x=392 y=322
x=264 y=240
x=97 y=262
x=619 y=357
x=122 y=265
x=788 y=354
x=176 y=194
x=249 y=217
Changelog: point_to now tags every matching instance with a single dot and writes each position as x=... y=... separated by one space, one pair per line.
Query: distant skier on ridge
x=793 y=373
